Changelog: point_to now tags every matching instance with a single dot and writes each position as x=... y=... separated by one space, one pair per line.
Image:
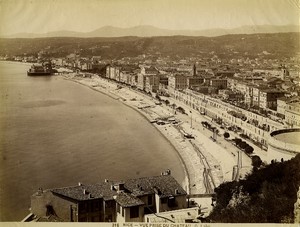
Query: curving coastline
x=186 y=182
x=190 y=156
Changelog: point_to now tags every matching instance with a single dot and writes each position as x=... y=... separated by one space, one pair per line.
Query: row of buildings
x=132 y=200
x=253 y=103
x=253 y=92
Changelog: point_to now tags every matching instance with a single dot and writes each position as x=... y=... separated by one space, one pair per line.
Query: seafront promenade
x=207 y=163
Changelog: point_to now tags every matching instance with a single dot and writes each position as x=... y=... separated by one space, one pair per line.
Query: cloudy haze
x=42 y=16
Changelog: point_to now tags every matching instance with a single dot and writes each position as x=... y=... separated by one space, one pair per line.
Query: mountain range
x=151 y=31
x=273 y=45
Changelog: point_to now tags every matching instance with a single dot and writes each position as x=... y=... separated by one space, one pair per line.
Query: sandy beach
x=198 y=155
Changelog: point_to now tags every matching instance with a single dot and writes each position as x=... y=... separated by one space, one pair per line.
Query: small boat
x=44 y=69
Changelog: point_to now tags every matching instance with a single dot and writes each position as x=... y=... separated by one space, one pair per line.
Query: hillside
x=277 y=45
x=267 y=195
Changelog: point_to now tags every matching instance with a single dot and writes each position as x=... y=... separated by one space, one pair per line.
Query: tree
x=237 y=141
x=242 y=145
x=180 y=109
x=158 y=97
x=256 y=161
x=267 y=195
x=249 y=149
x=226 y=135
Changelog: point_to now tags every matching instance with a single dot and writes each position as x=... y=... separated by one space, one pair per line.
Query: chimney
x=176 y=191
x=40 y=191
x=112 y=188
x=167 y=172
x=106 y=180
x=79 y=184
x=156 y=190
x=84 y=191
x=121 y=187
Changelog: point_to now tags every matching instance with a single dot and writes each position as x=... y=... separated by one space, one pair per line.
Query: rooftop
x=86 y=192
x=49 y=218
x=163 y=185
x=127 y=200
x=294 y=104
x=294 y=99
x=271 y=90
x=129 y=68
x=177 y=216
x=151 y=70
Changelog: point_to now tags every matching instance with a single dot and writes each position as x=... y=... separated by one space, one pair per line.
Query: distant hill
x=151 y=31
x=277 y=45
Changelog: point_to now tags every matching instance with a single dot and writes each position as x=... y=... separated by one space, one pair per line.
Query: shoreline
x=17 y=62
x=189 y=152
x=186 y=180
x=206 y=163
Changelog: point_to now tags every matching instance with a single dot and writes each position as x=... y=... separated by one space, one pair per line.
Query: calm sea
x=56 y=133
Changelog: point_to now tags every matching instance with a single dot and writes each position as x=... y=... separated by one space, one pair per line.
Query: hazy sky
x=41 y=16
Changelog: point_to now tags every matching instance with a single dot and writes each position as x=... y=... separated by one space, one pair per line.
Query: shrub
x=249 y=149
x=226 y=135
x=256 y=161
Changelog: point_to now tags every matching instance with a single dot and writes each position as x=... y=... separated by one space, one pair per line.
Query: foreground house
x=127 y=201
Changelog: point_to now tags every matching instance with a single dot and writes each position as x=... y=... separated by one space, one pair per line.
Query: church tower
x=194 y=70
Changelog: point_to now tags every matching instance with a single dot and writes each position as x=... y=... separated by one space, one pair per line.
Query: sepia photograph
x=150 y=113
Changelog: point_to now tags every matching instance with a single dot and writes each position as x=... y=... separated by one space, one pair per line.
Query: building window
x=118 y=208
x=164 y=200
x=83 y=219
x=123 y=211
x=96 y=219
x=96 y=206
x=134 y=212
x=108 y=218
x=108 y=204
x=83 y=207
x=172 y=202
x=149 y=200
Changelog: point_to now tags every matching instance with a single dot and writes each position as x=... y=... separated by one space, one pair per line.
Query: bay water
x=56 y=133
